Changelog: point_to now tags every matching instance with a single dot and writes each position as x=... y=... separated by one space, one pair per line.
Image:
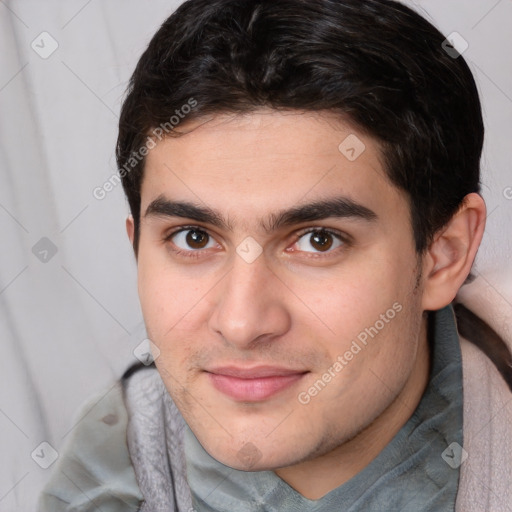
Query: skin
x=299 y=304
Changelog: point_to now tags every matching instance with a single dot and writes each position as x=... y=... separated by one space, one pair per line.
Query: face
x=277 y=277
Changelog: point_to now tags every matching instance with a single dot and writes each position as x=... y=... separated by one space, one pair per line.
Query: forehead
x=252 y=165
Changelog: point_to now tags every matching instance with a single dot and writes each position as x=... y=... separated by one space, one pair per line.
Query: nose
x=250 y=305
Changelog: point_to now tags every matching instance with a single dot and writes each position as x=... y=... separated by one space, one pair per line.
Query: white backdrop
x=69 y=315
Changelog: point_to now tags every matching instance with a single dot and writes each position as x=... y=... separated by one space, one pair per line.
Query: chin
x=257 y=455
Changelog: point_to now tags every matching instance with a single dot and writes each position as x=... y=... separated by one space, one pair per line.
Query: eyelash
x=345 y=239
x=181 y=252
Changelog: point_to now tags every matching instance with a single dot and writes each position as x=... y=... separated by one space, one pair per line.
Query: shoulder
x=487 y=418
x=94 y=470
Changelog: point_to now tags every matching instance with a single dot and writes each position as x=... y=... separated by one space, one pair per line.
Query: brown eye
x=196 y=239
x=319 y=240
x=192 y=239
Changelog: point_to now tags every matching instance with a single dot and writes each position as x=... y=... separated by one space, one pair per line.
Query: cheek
x=373 y=376
x=373 y=318
x=166 y=294
x=175 y=310
x=346 y=302
x=158 y=302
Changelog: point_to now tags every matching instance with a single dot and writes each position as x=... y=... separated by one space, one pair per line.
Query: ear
x=450 y=256
x=130 y=228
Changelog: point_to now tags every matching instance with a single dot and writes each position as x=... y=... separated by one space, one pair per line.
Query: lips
x=253 y=384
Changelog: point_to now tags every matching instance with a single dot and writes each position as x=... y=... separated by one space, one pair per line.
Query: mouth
x=253 y=384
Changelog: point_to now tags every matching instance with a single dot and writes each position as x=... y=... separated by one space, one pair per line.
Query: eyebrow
x=337 y=207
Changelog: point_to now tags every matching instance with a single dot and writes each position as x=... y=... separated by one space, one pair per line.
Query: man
x=303 y=179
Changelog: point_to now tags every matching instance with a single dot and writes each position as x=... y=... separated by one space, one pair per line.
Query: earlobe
x=451 y=255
